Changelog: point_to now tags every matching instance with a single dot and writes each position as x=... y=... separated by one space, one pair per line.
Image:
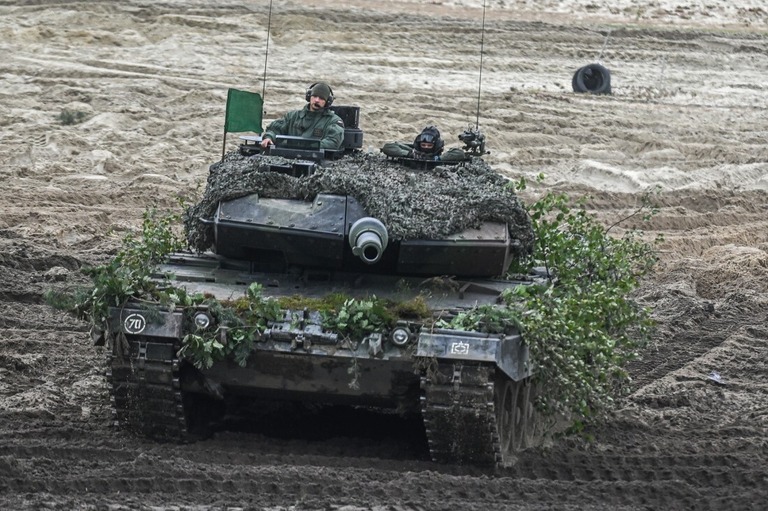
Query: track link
x=146 y=394
x=457 y=405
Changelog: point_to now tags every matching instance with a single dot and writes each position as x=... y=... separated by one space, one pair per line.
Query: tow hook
x=300 y=342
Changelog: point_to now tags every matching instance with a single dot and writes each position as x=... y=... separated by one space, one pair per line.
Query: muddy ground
x=687 y=117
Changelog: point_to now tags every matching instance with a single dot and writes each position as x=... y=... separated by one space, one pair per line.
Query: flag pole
x=224 y=144
x=266 y=53
x=226 y=123
x=263 y=85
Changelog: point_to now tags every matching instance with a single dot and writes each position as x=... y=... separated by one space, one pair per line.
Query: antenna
x=480 y=80
x=473 y=138
x=266 y=53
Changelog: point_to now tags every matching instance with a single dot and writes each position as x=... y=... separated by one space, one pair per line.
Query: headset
x=308 y=95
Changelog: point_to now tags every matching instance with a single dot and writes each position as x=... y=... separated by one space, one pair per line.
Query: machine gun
x=474 y=141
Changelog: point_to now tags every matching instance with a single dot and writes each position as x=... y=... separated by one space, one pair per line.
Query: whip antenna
x=480 y=80
x=266 y=53
x=473 y=138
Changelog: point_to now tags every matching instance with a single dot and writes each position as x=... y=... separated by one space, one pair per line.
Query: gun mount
x=474 y=141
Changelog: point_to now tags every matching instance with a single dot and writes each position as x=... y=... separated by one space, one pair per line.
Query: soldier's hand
x=266 y=143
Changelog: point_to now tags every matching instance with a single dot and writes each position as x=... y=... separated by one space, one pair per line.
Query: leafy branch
x=580 y=323
x=357 y=318
x=128 y=275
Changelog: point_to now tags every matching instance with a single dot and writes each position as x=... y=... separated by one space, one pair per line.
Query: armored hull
x=471 y=389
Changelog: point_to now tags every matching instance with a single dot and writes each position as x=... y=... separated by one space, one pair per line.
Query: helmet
x=321 y=90
x=432 y=135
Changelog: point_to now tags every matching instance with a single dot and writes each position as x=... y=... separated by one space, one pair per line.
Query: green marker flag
x=244 y=111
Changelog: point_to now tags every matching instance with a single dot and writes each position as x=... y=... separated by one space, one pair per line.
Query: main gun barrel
x=368 y=239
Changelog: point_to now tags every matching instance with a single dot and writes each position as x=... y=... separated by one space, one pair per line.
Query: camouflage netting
x=413 y=204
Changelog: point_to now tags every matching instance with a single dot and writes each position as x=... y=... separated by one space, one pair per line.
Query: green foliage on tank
x=581 y=325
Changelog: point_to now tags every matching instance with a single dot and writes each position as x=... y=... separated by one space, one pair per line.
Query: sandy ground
x=687 y=117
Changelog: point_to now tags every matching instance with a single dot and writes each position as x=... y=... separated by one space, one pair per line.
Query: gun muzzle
x=368 y=239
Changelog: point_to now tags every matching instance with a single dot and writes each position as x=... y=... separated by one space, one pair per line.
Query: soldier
x=428 y=145
x=315 y=120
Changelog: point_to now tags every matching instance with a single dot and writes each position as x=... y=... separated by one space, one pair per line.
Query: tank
x=471 y=389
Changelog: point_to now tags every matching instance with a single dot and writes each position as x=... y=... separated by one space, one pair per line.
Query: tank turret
x=334 y=232
x=284 y=231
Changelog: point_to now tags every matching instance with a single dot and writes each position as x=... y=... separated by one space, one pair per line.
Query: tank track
x=146 y=394
x=457 y=405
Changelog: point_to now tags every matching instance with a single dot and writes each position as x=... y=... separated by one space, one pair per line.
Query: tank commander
x=315 y=120
x=428 y=145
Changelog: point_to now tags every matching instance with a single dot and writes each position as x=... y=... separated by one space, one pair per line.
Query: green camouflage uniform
x=403 y=150
x=325 y=125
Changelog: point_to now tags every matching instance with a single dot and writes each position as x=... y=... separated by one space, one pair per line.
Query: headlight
x=202 y=320
x=400 y=336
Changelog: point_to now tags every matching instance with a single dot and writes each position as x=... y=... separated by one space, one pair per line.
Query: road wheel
x=510 y=416
x=528 y=411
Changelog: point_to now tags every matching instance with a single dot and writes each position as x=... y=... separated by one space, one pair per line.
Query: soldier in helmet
x=428 y=145
x=315 y=120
